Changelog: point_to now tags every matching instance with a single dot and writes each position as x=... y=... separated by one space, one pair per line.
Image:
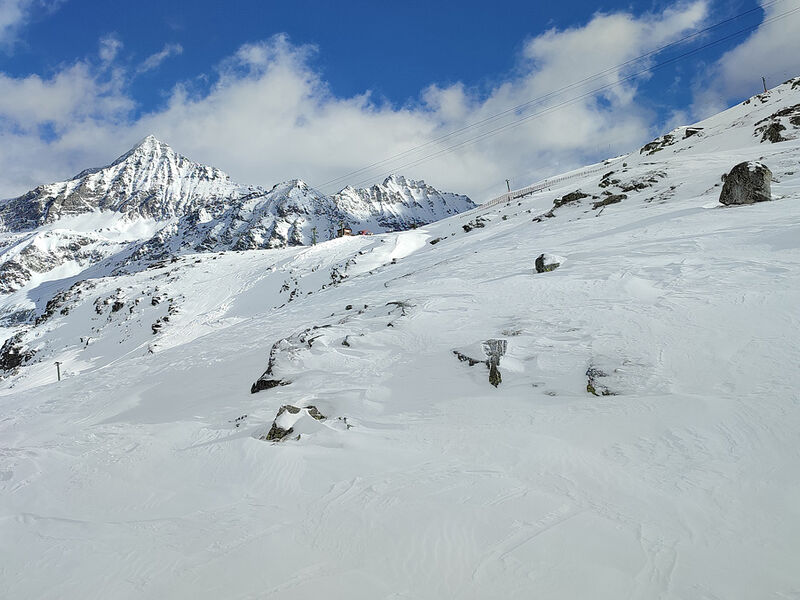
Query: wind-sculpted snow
x=637 y=437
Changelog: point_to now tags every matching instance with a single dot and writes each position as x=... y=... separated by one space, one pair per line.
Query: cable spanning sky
x=347 y=92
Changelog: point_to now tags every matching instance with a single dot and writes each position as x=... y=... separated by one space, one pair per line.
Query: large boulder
x=748 y=182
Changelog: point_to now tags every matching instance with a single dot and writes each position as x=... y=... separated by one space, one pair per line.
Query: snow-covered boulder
x=748 y=182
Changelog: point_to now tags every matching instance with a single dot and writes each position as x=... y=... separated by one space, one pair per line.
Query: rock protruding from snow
x=286 y=421
x=13 y=353
x=747 y=183
x=495 y=349
x=547 y=262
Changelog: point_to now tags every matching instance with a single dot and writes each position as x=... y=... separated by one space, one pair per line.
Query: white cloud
x=73 y=96
x=15 y=14
x=772 y=50
x=154 y=60
x=110 y=46
x=269 y=115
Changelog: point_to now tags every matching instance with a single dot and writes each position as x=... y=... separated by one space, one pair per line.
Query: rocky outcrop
x=593 y=384
x=285 y=420
x=613 y=199
x=771 y=129
x=476 y=223
x=14 y=353
x=747 y=183
x=547 y=262
x=494 y=350
x=569 y=198
x=658 y=144
x=772 y=133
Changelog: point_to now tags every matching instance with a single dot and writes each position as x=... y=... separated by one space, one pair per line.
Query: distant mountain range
x=153 y=203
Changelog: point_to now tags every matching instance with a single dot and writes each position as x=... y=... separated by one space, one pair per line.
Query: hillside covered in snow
x=416 y=414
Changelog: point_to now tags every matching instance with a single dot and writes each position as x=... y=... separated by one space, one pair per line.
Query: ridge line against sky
x=315 y=102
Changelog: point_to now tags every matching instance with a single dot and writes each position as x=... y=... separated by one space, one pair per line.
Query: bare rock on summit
x=747 y=183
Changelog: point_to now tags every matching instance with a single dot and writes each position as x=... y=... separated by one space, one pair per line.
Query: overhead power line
x=528 y=103
x=563 y=104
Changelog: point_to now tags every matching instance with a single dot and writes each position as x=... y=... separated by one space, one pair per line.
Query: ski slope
x=142 y=474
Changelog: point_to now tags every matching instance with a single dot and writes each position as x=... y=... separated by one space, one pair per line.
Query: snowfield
x=644 y=441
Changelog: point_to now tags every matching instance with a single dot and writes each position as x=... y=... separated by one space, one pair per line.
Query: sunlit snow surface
x=131 y=478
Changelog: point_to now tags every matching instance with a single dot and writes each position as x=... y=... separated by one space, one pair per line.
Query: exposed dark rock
x=773 y=133
x=571 y=197
x=266 y=384
x=278 y=433
x=118 y=304
x=548 y=215
x=59 y=300
x=607 y=182
x=634 y=186
x=402 y=305
x=293 y=343
x=658 y=144
x=544 y=264
x=690 y=131
x=14 y=353
x=495 y=349
x=613 y=199
x=748 y=182
x=468 y=359
x=593 y=386
x=435 y=241
x=476 y=223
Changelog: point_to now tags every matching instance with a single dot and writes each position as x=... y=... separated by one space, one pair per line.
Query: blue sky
x=270 y=91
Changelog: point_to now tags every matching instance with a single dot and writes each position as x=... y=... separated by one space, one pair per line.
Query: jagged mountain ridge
x=150 y=180
x=157 y=203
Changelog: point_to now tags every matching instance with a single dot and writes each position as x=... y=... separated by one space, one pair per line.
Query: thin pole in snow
x=764 y=82
x=508 y=184
x=58 y=370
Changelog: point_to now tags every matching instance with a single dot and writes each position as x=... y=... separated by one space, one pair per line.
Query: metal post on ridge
x=764 y=83
x=58 y=369
x=508 y=185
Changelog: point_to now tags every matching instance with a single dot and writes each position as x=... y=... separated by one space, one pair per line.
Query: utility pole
x=58 y=370
x=508 y=184
x=764 y=82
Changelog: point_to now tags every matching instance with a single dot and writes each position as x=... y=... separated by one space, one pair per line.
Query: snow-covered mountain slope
x=642 y=440
x=153 y=203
